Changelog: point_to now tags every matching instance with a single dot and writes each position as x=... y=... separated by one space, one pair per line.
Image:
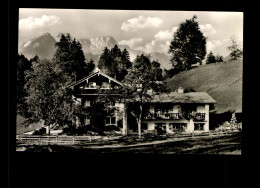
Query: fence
x=58 y=139
x=70 y=140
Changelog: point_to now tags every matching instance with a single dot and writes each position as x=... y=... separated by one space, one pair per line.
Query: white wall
x=206 y=126
x=201 y=108
x=151 y=126
x=151 y=108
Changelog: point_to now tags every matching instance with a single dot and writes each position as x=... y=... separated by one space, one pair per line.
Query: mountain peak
x=46 y=34
x=43 y=46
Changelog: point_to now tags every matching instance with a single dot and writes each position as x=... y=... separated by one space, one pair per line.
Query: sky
x=148 y=30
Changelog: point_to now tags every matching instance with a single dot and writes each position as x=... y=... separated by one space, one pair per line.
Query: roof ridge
x=91 y=75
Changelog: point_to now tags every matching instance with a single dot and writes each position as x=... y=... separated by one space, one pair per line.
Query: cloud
x=207 y=29
x=36 y=23
x=165 y=35
x=141 y=22
x=161 y=41
x=155 y=46
x=132 y=43
x=213 y=44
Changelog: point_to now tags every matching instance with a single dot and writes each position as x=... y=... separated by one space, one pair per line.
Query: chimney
x=180 y=90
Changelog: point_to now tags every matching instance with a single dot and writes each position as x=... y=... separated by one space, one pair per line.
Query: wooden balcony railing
x=195 y=117
x=162 y=116
x=199 y=117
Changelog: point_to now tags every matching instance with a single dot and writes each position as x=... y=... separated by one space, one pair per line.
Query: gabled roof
x=92 y=75
x=192 y=97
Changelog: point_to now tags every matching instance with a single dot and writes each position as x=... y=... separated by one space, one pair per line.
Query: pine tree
x=219 y=58
x=70 y=57
x=210 y=58
x=90 y=66
x=105 y=60
x=115 y=62
x=126 y=59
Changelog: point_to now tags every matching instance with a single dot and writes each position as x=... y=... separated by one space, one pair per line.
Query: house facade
x=178 y=111
x=175 y=111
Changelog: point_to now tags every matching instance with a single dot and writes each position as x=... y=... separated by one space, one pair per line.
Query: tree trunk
x=140 y=121
x=139 y=128
x=49 y=130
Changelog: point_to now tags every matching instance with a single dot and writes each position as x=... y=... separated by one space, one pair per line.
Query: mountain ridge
x=44 y=47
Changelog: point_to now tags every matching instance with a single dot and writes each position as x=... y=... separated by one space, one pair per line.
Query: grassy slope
x=223 y=82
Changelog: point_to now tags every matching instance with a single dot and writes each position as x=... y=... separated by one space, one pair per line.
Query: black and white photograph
x=104 y=81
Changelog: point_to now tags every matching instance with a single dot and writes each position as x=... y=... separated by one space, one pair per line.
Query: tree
x=105 y=61
x=124 y=65
x=219 y=58
x=235 y=50
x=125 y=58
x=210 y=58
x=138 y=82
x=70 y=57
x=90 y=66
x=49 y=98
x=188 y=45
x=115 y=62
x=156 y=70
x=23 y=64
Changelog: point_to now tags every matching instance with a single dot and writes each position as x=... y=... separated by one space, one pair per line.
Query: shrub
x=41 y=131
x=111 y=128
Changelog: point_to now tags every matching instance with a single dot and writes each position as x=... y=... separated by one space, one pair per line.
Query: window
x=110 y=120
x=163 y=108
x=92 y=84
x=199 y=126
x=87 y=103
x=177 y=126
x=105 y=85
x=113 y=120
x=160 y=128
x=77 y=100
x=87 y=120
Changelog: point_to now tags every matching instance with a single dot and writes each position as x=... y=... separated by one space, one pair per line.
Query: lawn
x=221 y=144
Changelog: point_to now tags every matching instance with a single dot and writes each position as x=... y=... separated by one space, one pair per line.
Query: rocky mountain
x=43 y=47
x=162 y=58
x=96 y=45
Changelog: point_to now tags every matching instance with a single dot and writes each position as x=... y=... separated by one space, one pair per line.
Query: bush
x=82 y=130
x=111 y=128
x=41 y=131
x=70 y=130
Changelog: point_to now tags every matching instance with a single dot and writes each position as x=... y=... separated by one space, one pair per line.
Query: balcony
x=162 y=116
x=195 y=117
x=198 y=117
